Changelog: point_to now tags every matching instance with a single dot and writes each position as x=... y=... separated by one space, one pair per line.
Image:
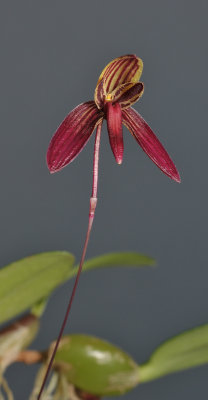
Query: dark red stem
x=93 y=202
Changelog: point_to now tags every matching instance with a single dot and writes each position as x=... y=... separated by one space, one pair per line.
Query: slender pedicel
x=93 y=203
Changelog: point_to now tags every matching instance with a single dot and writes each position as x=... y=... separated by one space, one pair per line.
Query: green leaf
x=96 y=366
x=115 y=260
x=25 y=282
x=187 y=350
x=39 y=307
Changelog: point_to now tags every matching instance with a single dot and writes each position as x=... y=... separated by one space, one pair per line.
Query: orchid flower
x=117 y=89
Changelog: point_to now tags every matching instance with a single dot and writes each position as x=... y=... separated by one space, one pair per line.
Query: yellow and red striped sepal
x=121 y=74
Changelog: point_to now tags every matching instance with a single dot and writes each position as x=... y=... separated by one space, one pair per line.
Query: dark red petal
x=72 y=135
x=149 y=142
x=114 y=123
x=128 y=94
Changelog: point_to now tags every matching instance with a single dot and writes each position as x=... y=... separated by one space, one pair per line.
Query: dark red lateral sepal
x=72 y=135
x=149 y=142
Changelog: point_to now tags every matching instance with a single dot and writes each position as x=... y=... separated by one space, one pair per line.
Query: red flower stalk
x=117 y=89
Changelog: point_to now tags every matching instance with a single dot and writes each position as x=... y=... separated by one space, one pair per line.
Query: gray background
x=51 y=55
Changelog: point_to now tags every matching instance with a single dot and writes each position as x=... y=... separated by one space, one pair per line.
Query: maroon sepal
x=72 y=135
x=149 y=142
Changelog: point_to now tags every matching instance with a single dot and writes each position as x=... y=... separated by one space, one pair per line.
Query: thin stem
x=93 y=203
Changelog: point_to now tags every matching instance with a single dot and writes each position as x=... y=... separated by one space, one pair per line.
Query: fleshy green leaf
x=25 y=282
x=187 y=350
x=116 y=260
x=96 y=366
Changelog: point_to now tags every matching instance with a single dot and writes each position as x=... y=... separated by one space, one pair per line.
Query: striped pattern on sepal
x=72 y=135
x=121 y=70
x=149 y=142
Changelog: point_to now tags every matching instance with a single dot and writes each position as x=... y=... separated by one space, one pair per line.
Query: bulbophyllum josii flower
x=117 y=89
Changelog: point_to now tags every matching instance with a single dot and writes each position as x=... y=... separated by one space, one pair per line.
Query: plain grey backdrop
x=52 y=53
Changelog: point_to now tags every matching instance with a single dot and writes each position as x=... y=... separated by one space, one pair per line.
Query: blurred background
x=52 y=53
